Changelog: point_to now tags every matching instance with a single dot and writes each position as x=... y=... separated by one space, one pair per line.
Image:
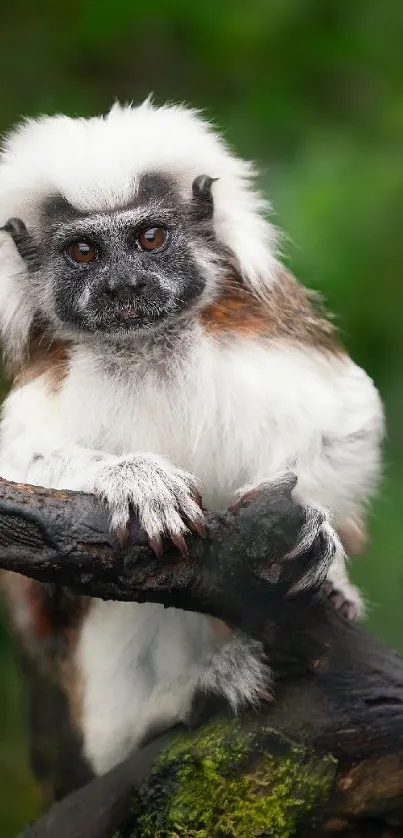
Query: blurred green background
x=313 y=91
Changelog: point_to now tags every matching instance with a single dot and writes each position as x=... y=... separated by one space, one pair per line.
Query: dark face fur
x=122 y=270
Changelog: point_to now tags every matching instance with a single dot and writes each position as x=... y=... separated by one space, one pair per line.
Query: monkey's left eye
x=152 y=239
x=82 y=251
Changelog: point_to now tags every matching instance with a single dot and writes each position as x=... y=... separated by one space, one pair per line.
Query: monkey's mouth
x=123 y=314
x=129 y=311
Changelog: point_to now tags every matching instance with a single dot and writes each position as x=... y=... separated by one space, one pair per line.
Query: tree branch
x=236 y=571
x=338 y=692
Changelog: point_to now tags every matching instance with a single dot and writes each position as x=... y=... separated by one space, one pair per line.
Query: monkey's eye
x=82 y=251
x=152 y=238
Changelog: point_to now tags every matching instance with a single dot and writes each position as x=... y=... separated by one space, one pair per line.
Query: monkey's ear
x=202 y=196
x=14 y=226
x=23 y=241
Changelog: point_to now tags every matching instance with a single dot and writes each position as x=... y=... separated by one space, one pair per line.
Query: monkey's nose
x=117 y=283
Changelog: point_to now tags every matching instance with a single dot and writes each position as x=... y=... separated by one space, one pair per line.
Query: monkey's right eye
x=82 y=251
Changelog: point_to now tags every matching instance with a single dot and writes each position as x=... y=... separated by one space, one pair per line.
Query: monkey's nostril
x=140 y=284
x=115 y=286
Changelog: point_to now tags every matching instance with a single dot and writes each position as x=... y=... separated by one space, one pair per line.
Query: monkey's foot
x=239 y=671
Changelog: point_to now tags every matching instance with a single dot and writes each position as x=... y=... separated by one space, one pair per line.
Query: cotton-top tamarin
x=161 y=352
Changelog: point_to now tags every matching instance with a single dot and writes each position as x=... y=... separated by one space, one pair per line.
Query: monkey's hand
x=317 y=538
x=165 y=498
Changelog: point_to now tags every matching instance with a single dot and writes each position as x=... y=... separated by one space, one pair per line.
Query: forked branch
x=335 y=726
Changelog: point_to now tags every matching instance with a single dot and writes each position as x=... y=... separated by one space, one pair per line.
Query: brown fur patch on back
x=289 y=311
x=51 y=360
x=28 y=616
x=42 y=612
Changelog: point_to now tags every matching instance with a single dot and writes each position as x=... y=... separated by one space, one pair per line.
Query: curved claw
x=282 y=486
x=198 y=527
x=265 y=695
x=248 y=496
x=198 y=499
x=179 y=542
x=122 y=535
x=155 y=544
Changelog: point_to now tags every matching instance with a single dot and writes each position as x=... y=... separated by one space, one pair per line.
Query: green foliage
x=230 y=781
x=19 y=799
x=313 y=91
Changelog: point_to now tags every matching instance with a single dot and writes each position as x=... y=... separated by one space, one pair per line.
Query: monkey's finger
x=179 y=542
x=344 y=606
x=341 y=604
x=248 y=496
x=197 y=527
x=265 y=695
x=122 y=535
x=155 y=544
x=194 y=524
x=197 y=499
x=349 y=610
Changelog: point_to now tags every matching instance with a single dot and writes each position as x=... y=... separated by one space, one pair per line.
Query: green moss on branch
x=228 y=781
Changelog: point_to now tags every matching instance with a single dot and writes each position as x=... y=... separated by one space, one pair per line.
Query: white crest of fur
x=95 y=163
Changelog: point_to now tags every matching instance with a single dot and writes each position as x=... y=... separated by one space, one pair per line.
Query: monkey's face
x=131 y=268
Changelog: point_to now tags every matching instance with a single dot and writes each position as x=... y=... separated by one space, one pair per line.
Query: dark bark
x=338 y=691
x=236 y=572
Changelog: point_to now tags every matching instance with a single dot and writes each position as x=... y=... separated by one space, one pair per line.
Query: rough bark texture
x=236 y=572
x=325 y=757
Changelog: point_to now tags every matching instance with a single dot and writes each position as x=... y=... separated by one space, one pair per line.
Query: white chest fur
x=229 y=414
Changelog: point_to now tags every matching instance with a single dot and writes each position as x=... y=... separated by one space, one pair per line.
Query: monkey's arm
x=37 y=451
